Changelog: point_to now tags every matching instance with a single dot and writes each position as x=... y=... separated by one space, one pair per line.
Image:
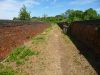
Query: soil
x=63 y=56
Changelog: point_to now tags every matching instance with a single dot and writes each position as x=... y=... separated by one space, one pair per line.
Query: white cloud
x=81 y=2
x=10 y=8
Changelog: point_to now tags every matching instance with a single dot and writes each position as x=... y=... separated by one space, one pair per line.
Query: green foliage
x=35 y=19
x=98 y=16
x=20 y=62
x=15 y=54
x=24 y=14
x=69 y=16
x=60 y=18
x=42 y=37
x=77 y=15
x=38 y=38
x=74 y=15
x=6 y=70
x=20 y=54
x=55 y=19
x=15 y=18
x=27 y=52
x=90 y=14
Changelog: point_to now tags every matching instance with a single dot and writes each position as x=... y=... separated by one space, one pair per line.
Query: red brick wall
x=13 y=34
x=87 y=32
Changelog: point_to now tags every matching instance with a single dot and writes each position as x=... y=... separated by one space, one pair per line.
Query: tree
x=74 y=15
x=98 y=16
x=77 y=15
x=60 y=18
x=90 y=14
x=24 y=14
x=15 y=18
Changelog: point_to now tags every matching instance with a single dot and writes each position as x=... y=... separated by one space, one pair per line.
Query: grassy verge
x=6 y=70
x=21 y=54
x=41 y=37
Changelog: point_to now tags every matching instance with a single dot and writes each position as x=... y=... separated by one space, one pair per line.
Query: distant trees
x=15 y=18
x=74 y=15
x=90 y=14
x=68 y=15
x=60 y=18
x=23 y=14
x=77 y=15
x=98 y=16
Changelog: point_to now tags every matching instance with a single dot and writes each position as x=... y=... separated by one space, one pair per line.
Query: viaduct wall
x=15 y=33
x=88 y=32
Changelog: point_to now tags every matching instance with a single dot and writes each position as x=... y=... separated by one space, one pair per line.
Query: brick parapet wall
x=88 y=32
x=15 y=33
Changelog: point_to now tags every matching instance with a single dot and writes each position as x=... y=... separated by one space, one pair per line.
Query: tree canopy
x=69 y=16
x=23 y=14
x=90 y=14
x=77 y=15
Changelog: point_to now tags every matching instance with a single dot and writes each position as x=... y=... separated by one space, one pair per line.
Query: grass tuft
x=20 y=54
x=38 y=38
x=41 y=37
x=6 y=71
x=20 y=62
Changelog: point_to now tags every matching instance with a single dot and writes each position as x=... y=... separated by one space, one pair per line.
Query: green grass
x=38 y=38
x=49 y=29
x=19 y=54
x=41 y=37
x=6 y=70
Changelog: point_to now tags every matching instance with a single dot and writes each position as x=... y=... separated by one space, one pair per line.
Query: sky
x=11 y=8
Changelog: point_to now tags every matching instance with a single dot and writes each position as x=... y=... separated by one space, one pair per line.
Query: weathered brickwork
x=15 y=33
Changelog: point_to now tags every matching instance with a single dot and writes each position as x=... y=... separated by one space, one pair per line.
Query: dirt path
x=63 y=56
x=58 y=56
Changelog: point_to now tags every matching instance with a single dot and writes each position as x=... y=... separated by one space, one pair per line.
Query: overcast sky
x=10 y=8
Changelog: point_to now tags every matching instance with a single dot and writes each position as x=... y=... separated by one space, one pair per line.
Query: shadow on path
x=84 y=50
